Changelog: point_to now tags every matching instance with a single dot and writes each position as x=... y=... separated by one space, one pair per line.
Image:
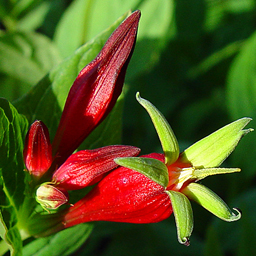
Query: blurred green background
x=194 y=59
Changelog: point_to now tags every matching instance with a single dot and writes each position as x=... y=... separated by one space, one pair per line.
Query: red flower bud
x=51 y=197
x=123 y=195
x=37 y=152
x=85 y=167
x=96 y=89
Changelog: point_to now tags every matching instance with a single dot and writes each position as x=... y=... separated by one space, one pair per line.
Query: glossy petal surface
x=37 y=152
x=122 y=196
x=96 y=89
x=85 y=166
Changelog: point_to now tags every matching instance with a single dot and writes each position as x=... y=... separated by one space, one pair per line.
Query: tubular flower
x=91 y=98
x=124 y=195
x=148 y=189
x=86 y=166
x=96 y=89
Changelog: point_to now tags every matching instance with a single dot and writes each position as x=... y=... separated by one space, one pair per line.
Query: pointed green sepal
x=210 y=201
x=200 y=174
x=151 y=168
x=167 y=138
x=183 y=215
x=212 y=150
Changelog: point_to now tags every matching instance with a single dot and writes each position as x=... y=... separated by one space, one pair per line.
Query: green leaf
x=183 y=215
x=91 y=17
x=80 y=15
x=63 y=243
x=46 y=100
x=13 y=128
x=241 y=100
x=155 y=29
x=150 y=167
x=239 y=6
x=213 y=15
x=210 y=201
x=35 y=17
x=214 y=59
x=241 y=81
x=212 y=150
x=25 y=57
x=213 y=246
x=167 y=138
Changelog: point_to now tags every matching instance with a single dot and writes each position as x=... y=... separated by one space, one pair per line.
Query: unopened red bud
x=51 y=197
x=95 y=90
x=86 y=166
x=37 y=152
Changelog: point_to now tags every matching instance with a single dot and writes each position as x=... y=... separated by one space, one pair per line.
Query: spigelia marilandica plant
x=52 y=169
x=150 y=188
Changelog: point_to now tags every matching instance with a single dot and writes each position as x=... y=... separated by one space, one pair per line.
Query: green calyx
x=167 y=138
x=199 y=160
x=210 y=201
x=212 y=150
x=151 y=168
x=183 y=216
x=200 y=174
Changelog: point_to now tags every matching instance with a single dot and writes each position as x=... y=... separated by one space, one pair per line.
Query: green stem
x=3 y=247
x=41 y=225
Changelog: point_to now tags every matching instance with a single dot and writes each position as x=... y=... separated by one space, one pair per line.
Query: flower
x=95 y=90
x=124 y=195
x=85 y=167
x=148 y=189
x=91 y=98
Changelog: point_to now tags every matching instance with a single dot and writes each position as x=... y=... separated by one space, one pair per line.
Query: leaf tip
x=118 y=160
x=185 y=241
x=236 y=216
x=138 y=98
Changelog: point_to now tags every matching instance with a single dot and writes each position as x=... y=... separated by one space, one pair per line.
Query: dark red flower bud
x=85 y=167
x=37 y=152
x=96 y=89
x=123 y=195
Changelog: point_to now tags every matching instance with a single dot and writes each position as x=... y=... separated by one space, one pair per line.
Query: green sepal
x=210 y=201
x=212 y=150
x=200 y=174
x=167 y=138
x=183 y=215
x=150 y=167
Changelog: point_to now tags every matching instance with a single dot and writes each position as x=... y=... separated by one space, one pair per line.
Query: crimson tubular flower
x=96 y=89
x=91 y=98
x=148 y=189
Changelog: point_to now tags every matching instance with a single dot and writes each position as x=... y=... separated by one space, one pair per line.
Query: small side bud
x=37 y=153
x=51 y=197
